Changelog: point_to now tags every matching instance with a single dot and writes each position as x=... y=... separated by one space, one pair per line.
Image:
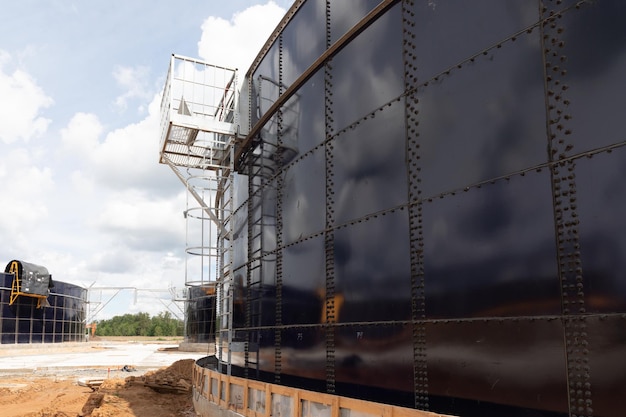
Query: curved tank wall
x=200 y=314
x=62 y=321
x=431 y=206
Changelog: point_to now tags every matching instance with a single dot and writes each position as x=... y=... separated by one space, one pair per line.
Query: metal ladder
x=225 y=287
x=261 y=226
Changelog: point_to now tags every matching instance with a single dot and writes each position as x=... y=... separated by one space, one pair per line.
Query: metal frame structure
x=16 y=287
x=199 y=128
x=96 y=296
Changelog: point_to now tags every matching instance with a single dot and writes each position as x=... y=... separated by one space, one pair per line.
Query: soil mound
x=162 y=393
x=182 y=369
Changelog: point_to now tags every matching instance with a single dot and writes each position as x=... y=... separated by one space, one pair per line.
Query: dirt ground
x=160 y=393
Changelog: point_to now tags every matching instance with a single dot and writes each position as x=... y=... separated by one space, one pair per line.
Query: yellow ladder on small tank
x=16 y=286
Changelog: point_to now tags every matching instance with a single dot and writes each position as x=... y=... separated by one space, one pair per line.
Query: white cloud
x=25 y=185
x=82 y=184
x=143 y=223
x=125 y=158
x=82 y=133
x=135 y=81
x=128 y=157
x=235 y=43
x=21 y=101
x=90 y=203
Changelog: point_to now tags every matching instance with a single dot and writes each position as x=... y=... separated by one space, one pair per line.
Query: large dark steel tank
x=431 y=206
x=25 y=320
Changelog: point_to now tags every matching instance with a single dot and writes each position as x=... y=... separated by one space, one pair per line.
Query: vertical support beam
x=251 y=261
x=248 y=172
x=329 y=235
x=268 y=400
x=279 y=224
x=416 y=237
x=566 y=221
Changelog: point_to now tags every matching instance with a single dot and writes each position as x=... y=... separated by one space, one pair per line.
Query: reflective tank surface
x=61 y=320
x=433 y=205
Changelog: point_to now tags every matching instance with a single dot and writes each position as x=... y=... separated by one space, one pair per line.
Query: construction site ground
x=120 y=377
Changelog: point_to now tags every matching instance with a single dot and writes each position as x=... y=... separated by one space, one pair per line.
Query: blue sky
x=80 y=83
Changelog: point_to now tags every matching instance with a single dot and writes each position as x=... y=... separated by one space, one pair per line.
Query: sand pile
x=162 y=393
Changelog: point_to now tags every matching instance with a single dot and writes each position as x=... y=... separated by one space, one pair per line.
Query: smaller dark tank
x=30 y=278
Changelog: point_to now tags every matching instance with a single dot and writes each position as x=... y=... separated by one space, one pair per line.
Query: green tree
x=140 y=324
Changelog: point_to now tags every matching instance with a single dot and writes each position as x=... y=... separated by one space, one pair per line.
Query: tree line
x=140 y=324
